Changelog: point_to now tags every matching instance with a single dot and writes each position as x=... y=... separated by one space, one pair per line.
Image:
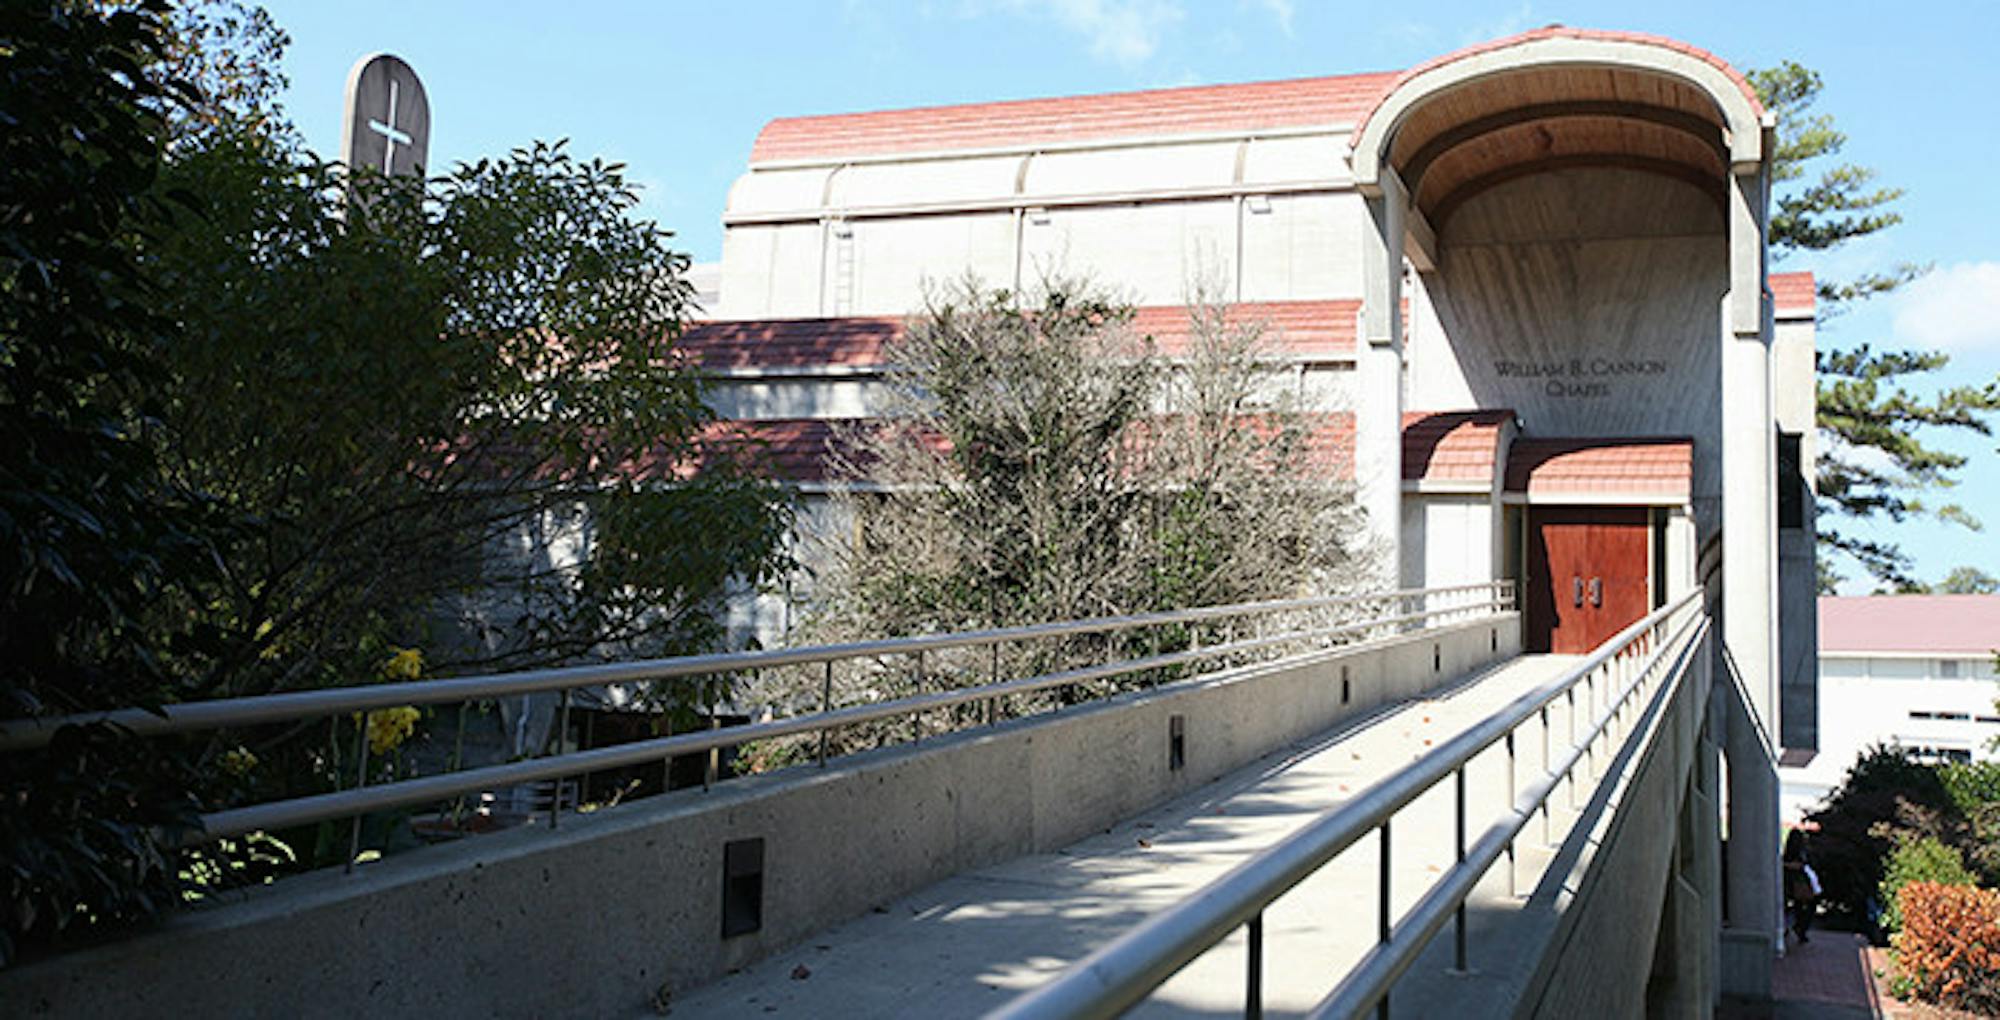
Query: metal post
x=589 y=739
x=1513 y=873
x=714 y=753
x=556 y=784
x=825 y=706
x=1569 y=772
x=360 y=780
x=1253 y=982
x=993 y=704
x=917 y=719
x=1382 y=916
x=1458 y=930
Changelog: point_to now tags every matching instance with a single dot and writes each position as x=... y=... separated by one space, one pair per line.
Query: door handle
x=1596 y=591
x=1577 y=584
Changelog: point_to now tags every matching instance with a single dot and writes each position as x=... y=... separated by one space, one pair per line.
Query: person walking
x=1801 y=884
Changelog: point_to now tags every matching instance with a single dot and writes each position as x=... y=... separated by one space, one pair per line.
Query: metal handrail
x=1122 y=973
x=363 y=799
x=30 y=733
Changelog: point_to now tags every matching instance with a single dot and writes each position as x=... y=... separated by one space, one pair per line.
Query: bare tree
x=1039 y=460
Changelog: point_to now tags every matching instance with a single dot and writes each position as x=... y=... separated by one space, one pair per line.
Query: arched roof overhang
x=1552 y=98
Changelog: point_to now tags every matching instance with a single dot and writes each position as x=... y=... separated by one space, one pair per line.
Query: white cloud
x=1280 y=11
x=1513 y=22
x=1956 y=308
x=1126 y=32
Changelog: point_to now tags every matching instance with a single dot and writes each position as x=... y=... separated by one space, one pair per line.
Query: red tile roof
x=1339 y=100
x=1201 y=109
x=1452 y=446
x=1794 y=295
x=1565 y=32
x=790 y=343
x=1301 y=329
x=1649 y=466
x=1936 y=624
x=801 y=450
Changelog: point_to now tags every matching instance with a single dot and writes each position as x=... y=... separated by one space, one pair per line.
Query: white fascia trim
x=1667 y=499
x=1079 y=145
x=1009 y=203
x=796 y=372
x=1954 y=653
x=1426 y=487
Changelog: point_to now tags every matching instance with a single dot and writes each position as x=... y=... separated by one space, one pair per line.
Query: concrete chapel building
x=1532 y=275
x=1593 y=378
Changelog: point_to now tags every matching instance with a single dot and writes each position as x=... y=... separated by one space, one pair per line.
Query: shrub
x=1949 y=949
x=1972 y=785
x=1850 y=848
x=1919 y=859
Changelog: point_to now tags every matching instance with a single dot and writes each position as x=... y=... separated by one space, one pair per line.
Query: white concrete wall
x=774 y=396
x=1586 y=301
x=1866 y=701
x=598 y=917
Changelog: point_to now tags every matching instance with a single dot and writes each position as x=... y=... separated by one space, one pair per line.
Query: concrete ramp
x=965 y=945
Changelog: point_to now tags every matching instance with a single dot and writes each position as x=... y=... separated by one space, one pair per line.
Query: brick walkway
x=1826 y=977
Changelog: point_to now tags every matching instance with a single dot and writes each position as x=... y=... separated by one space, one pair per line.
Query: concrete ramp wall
x=1646 y=865
x=613 y=911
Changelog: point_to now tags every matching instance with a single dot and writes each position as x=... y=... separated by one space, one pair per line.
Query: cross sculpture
x=388 y=117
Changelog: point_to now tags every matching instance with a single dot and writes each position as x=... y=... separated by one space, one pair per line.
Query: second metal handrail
x=1123 y=973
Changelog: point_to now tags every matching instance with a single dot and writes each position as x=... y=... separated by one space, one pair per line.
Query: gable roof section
x=1303 y=330
x=1656 y=469
x=1198 y=110
x=1452 y=446
x=1794 y=295
x=1946 y=625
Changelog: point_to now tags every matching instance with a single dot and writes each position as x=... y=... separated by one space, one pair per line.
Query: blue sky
x=677 y=91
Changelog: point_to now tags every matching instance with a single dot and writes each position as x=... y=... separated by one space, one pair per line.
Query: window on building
x=1791 y=482
x=1948 y=669
x=1938 y=755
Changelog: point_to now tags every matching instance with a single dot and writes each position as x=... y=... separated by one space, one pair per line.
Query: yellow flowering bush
x=406 y=664
x=238 y=761
x=389 y=727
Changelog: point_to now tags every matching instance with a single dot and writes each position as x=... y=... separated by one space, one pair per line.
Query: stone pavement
x=1825 y=979
x=963 y=946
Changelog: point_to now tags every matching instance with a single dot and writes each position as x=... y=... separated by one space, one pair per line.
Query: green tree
x=92 y=537
x=1879 y=457
x=1962 y=581
x=442 y=405
x=266 y=421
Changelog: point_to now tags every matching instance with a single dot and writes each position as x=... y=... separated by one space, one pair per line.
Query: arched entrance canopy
x=1558 y=97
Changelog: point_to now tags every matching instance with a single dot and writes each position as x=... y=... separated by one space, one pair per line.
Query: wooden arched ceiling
x=1504 y=126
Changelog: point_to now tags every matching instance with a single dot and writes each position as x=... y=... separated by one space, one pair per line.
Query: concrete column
x=1378 y=406
x=1749 y=455
x=1705 y=839
x=1755 y=908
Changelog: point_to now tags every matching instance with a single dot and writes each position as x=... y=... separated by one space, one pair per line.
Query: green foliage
x=267 y=424
x=91 y=537
x=1962 y=580
x=1854 y=840
x=399 y=381
x=1878 y=458
x=1972 y=785
x=1918 y=859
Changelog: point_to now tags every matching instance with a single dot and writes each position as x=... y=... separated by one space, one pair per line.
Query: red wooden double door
x=1589 y=575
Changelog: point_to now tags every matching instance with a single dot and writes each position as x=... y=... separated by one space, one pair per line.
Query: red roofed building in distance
x=1911 y=671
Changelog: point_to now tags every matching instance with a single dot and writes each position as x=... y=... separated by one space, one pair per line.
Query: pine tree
x=1879 y=455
